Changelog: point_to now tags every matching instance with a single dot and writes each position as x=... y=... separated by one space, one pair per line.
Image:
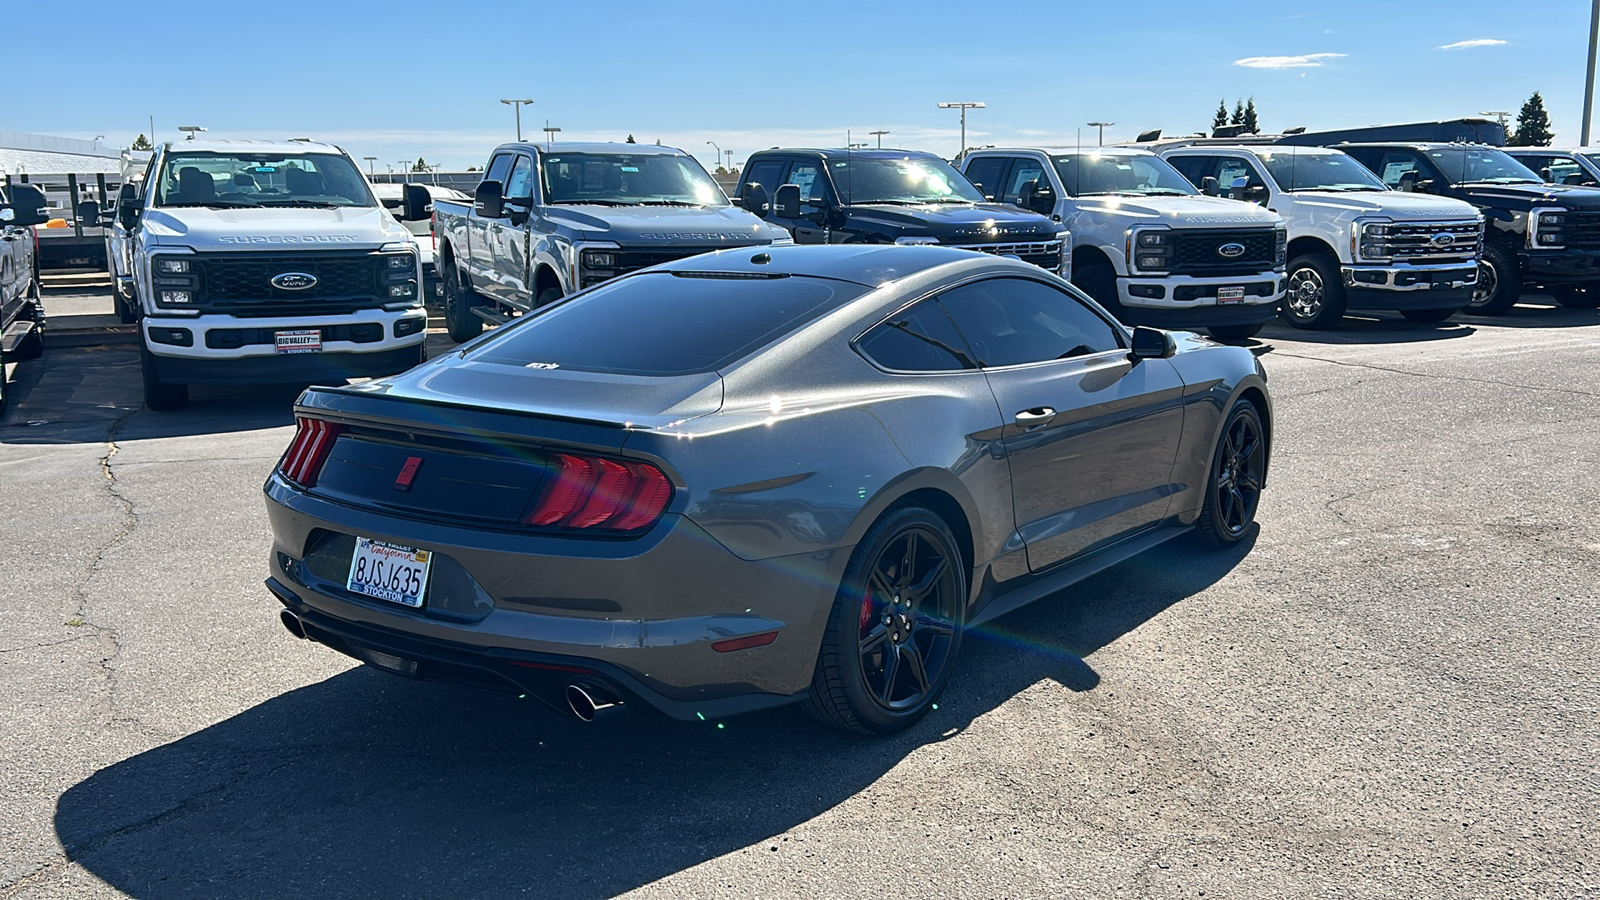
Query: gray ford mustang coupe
x=746 y=479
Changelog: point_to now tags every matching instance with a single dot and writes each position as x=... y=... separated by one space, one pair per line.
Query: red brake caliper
x=866 y=610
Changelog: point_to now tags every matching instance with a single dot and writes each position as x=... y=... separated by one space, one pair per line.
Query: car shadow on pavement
x=1370 y=330
x=367 y=784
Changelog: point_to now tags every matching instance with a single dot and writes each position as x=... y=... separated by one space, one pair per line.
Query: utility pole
x=1588 y=83
x=517 y=105
x=1102 y=127
x=879 y=135
x=964 y=106
x=729 y=154
x=718 y=159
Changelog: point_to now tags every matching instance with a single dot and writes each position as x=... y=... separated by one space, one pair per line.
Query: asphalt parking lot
x=1392 y=691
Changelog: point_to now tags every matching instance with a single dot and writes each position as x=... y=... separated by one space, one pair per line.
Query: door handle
x=1035 y=416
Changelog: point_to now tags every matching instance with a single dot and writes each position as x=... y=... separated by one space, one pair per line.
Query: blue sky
x=404 y=79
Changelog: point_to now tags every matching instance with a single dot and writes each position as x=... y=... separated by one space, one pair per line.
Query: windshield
x=223 y=180
x=620 y=179
x=1481 y=165
x=1091 y=173
x=1320 y=172
x=901 y=181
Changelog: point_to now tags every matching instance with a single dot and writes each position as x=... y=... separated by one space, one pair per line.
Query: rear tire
x=159 y=395
x=459 y=319
x=1314 y=295
x=892 y=638
x=1577 y=296
x=1428 y=315
x=1499 y=282
x=1100 y=283
x=1238 y=470
x=1233 y=334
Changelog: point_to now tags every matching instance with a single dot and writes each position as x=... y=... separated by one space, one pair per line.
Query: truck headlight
x=404 y=262
x=177 y=297
x=1280 y=247
x=1369 y=241
x=1151 y=249
x=167 y=266
x=598 y=259
x=1547 y=228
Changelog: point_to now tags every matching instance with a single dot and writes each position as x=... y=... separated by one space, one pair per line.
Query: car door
x=511 y=238
x=483 y=232
x=1023 y=170
x=1091 y=436
x=1194 y=167
x=765 y=171
x=815 y=197
x=985 y=173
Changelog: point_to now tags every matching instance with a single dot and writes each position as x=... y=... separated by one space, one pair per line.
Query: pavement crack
x=1459 y=378
x=69 y=640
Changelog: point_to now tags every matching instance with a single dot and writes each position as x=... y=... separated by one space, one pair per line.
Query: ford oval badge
x=1231 y=250
x=1444 y=239
x=294 y=281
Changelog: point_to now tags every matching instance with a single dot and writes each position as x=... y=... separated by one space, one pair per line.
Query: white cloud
x=1286 y=62
x=1467 y=45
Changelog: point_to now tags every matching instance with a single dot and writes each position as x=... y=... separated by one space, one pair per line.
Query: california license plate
x=389 y=572
x=1230 y=295
x=308 y=340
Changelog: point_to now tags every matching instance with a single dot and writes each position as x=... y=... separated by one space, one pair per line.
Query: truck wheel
x=459 y=299
x=157 y=394
x=1233 y=334
x=1428 y=315
x=1314 y=296
x=1499 y=282
x=547 y=297
x=32 y=346
x=3 y=400
x=1577 y=296
x=1100 y=283
x=127 y=311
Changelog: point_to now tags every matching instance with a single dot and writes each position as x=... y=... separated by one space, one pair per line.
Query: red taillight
x=587 y=492
x=313 y=441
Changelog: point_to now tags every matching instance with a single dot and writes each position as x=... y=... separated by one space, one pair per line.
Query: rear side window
x=918 y=339
x=765 y=173
x=984 y=173
x=1012 y=321
x=661 y=324
x=1194 y=168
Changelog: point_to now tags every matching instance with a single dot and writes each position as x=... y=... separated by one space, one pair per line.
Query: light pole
x=1102 y=127
x=371 y=160
x=729 y=154
x=405 y=170
x=1500 y=116
x=963 y=106
x=879 y=135
x=190 y=130
x=717 y=160
x=550 y=131
x=1588 y=83
x=517 y=105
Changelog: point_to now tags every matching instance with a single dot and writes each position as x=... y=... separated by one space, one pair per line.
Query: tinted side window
x=1009 y=321
x=498 y=167
x=1396 y=164
x=1194 y=168
x=918 y=339
x=1025 y=171
x=764 y=172
x=805 y=173
x=984 y=172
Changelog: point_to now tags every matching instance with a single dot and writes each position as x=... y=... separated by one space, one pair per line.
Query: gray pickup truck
x=548 y=220
x=22 y=206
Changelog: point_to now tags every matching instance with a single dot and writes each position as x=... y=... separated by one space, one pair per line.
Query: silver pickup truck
x=548 y=220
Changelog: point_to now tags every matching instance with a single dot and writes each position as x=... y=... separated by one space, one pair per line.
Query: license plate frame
x=1230 y=295
x=298 y=340
x=390 y=572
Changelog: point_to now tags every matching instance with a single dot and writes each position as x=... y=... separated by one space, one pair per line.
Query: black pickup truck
x=892 y=197
x=22 y=206
x=1535 y=234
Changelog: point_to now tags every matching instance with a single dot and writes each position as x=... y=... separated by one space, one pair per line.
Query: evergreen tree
x=142 y=143
x=1238 y=113
x=1249 y=122
x=1221 y=118
x=421 y=165
x=631 y=140
x=1533 y=125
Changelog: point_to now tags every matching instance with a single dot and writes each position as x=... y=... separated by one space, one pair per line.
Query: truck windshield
x=1295 y=171
x=617 y=179
x=224 y=180
x=1089 y=174
x=1481 y=165
x=905 y=182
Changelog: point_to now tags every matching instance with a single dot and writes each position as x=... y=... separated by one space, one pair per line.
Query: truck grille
x=1196 y=251
x=1421 y=241
x=242 y=285
x=1582 y=229
x=632 y=260
x=1044 y=254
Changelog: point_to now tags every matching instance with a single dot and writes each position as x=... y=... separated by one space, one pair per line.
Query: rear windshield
x=662 y=324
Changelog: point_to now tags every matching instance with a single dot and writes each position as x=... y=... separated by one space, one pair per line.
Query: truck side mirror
x=1151 y=343
x=1038 y=198
x=28 y=206
x=1544 y=174
x=1210 y=186
x=88 y=213
x=755 y=199
x=128 y=206
x=488 y=201
x=1255 y=193
x=416 y=204
x=786 y=205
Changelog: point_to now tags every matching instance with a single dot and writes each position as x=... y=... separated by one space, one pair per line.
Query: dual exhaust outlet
x=587 y=701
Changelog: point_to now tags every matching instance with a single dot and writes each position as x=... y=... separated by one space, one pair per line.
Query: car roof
x=1084 y=151
x=601 y=147
x=286 y=147
x=885 y=153
x=1261 y=149
x=1417 y=145
x=865 y=264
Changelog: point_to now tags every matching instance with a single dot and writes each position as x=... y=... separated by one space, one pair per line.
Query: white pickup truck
x=266 y=262
x=1145 y=244
x=1353 y=243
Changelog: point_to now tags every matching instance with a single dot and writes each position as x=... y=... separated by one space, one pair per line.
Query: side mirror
x=1151 y=343
x=28 y=206
x=88 y=212
x=1544 y=174
x=1255 y=193
x=416 y=204
x=1210 y=186
x=488 y=201
x=128 y=206
x=1425 y=185
x=1408 y=182
x=786 y=205
x=755 y=199
x=1037 y=198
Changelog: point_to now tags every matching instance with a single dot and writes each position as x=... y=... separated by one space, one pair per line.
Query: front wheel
x=1314 y=296
x=459 y=319
x=1233 y=334
x=547 y=297
x=1238 y=470
x=1100 y=283
x=157 y=394
x=1499 y=282
x=1577 y=296
x=1428 y=315
x=892 y=637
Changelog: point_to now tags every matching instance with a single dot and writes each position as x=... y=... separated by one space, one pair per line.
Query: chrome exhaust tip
x=589 y=702
x=292 y=622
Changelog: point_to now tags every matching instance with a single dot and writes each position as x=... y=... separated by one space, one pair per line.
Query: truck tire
x=159 y=395
x=1100 y=283
x=3 y=400
x=1314 y=296
x=32 y=346
x=1428 y=315
x=547 y=297
x=459 y=300
x=1499 y=282
x=1577 y=296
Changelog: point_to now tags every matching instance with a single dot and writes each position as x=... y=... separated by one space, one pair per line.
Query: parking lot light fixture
x=879 y=135
x=963 y=105
x=717 y=160
x=517 y=105
x=1102 y=127
x=190 y=130
x=550 y=131
x=371 y=161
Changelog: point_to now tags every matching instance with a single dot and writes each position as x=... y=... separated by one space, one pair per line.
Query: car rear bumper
x=533 y=612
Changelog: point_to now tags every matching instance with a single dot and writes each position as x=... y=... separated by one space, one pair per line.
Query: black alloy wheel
x=1499 y=282
x=1238 y=471
x=459 y=319
x=895 y=629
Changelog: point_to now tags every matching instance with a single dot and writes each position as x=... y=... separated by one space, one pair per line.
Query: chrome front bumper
x=1453 y=276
